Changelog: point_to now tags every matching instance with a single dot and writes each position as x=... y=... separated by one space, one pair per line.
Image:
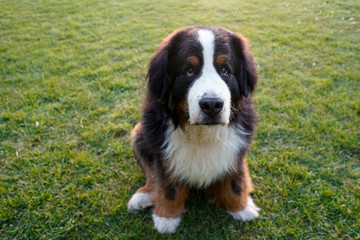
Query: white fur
x=140 y=201
x=165 y=225
x=209 y=83
x=248 y=213
x=199 y=155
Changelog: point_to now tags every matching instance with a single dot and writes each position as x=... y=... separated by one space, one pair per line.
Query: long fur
x=179 y=144
x=193 y=156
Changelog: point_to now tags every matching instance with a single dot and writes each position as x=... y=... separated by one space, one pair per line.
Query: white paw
x=140 y=201
x=248 y=213
x=165 y=225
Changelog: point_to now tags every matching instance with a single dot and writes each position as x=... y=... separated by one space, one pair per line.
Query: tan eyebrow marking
x=193 y=60
x=221 y=59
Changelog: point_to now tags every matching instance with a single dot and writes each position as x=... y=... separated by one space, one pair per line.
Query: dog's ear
x=246 y=73
x=157 y=75
x=159 y=80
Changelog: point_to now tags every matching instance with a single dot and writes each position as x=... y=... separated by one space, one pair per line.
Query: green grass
x=72 y=77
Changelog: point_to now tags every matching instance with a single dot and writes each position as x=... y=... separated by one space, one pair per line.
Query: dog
x=197 y=125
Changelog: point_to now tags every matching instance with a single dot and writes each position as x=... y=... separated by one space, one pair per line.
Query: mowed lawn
x=72 y=76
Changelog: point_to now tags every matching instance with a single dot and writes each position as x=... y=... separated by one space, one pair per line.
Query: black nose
x=211 y=106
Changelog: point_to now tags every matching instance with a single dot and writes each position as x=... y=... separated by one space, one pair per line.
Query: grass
x=72 y=77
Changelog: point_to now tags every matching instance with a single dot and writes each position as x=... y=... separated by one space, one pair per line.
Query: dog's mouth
x=210 y=121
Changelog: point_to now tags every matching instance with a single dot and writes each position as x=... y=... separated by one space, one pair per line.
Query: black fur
x=168 y=85
x=246 y=72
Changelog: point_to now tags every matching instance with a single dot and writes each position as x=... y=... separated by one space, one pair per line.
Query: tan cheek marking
x=183 y=110
x=221 y=59
x=193 y=60
x=183 y=105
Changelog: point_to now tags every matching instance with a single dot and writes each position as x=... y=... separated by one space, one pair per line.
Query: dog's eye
x=189 y=72
x=224 y=71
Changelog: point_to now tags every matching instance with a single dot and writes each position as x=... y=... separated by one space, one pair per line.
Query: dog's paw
x=140 y=201
x=248 y=213
x=166 y=225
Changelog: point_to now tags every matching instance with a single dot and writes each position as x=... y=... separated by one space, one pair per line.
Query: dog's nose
x=211 y=106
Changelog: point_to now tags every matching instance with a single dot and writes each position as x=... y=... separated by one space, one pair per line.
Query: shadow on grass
x=201 y=219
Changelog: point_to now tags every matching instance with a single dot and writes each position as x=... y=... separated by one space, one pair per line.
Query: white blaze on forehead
x=209 y=83
x=207 y=40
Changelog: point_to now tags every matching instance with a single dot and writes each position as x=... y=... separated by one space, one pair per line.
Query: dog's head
x=199 y=75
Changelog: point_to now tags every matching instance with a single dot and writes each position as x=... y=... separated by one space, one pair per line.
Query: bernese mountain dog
x=197 y=125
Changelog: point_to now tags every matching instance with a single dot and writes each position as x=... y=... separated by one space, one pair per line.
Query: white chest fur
x=199 y=155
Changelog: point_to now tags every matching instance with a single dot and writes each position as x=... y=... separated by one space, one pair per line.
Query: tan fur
x=223 y=194
x=221 y=59
x=163 y=206
x=193 y=60
x=183 y=115
x=134 y=134
x=184 y=153
x=149 y=185
x=170 y=208
x=150 y=181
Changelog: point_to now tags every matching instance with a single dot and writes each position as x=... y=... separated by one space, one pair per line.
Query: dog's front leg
x=169 y=207
x=233 y=193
